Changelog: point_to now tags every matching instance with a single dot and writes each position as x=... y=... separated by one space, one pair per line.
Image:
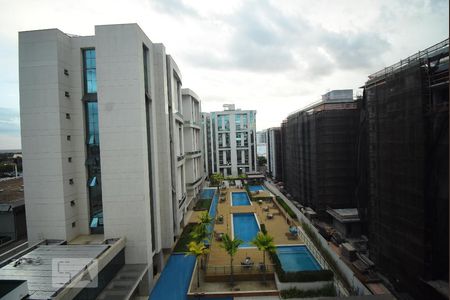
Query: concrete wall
x=128 y=188
x=43 y=57
x=305 y=286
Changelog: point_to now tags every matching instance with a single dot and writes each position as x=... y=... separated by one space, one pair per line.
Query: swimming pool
x=240 y=199
x=245 y=228
x=207 y=193
x=297 y=258
x=255 y=188
x=173 y=284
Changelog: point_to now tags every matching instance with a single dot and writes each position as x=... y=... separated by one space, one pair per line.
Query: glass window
x=90 y=71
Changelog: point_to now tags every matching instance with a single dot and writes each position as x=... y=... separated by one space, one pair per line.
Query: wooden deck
x=277 y=227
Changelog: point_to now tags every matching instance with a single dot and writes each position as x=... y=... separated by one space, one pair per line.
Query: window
x=69 y=159
x=68 y=116
x=71 y=181
x=90 y=71
x=92 y=123
x=223 y=122
x=145 y=58
x=68 y=137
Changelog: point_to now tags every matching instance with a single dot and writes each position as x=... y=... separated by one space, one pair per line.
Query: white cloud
x=273 y=56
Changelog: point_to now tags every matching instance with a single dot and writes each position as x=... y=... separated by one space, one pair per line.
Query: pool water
x=297 y=258
x=255 y=188
x=207 y=193
x=240 y=199
x=245 y=228
x=173 y=284
x=212 y=213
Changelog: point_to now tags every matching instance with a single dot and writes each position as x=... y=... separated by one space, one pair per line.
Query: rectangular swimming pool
x=207 y=193
x=297 y=258
x=240 y=199
x=255 y=188
x=245 y=228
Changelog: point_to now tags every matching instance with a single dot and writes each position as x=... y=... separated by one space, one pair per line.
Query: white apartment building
x=273 y=138
x=261 y=143
x=233 y=141
x=102 y=137
x=193 y=145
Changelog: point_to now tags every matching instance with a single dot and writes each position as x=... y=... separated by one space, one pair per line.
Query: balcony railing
x=239 y=269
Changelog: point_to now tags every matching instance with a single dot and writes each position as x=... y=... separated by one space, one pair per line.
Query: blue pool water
x=212 y=212
x=245 y=228
x=207 y=193
x=297 y=258
x=173 y=283
x=240 y=198
x=255 y=188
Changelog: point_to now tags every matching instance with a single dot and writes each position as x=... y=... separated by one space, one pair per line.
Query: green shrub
x=286 y=207
x=203 y=204
x=326 y=291
x=185 y=239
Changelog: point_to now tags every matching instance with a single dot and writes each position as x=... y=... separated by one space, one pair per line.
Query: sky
x=271 y=56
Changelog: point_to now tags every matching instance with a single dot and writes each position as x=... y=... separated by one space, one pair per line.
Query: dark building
x=405 y=115
x=12 y=211
x=319 y=158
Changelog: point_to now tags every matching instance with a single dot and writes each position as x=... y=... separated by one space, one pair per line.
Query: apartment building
x=404 y=151
x=102 y=137
x=233 y=141
x=208 y=142
x=261 y=143
x=274 y=151
x=319 y=159
x=193 y=145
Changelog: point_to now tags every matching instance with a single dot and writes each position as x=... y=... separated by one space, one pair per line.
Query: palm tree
x=200 y=232
x=264 y=242
x=231 y=246
x=198 y=250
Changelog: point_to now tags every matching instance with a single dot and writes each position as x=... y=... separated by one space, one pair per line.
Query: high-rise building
x=319 y=152
x=274 y=149
x=102 y=136
x=405 y=119
x=233 y=141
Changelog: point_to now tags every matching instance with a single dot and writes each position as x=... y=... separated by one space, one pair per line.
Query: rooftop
x=345 y=215
x=11 y=190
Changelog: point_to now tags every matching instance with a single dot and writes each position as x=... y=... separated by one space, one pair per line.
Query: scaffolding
x=319 y=155
x=404 y=147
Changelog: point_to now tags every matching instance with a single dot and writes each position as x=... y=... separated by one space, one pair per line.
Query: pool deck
x=277 y=227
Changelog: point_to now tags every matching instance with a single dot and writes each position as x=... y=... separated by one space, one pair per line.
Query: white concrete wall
x=123 y=140
x=43 y=56
x=163 y=145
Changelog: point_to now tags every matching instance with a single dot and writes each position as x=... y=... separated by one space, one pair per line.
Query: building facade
x=261 y=143
x=102 y=137
x=319 y=159
x=274 y=149
x=193 y=145
x=405 y=133
x=233 y=141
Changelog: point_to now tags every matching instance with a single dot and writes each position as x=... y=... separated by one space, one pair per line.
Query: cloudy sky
x=272 y=56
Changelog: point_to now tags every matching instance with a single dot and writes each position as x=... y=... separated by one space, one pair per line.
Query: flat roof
x=345 y=215
x=39 y=267
x=11 y=190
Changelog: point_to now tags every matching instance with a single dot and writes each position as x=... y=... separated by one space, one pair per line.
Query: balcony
x=182 y=200
x=193 y=154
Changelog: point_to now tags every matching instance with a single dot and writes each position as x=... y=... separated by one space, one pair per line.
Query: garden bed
x=184 y=239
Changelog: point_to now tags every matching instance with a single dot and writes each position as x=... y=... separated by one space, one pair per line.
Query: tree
x=262 y=161
x=264 y=243
x=216 y=178
x=198 y=250
x=200 y=232
x=231 y=247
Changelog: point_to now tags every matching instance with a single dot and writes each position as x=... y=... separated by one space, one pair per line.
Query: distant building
x=103 y=125
x=404 y=163
x=13 y=225
x=261 y=143
x=274 y=153
x=232 y=144
x=319 y=152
